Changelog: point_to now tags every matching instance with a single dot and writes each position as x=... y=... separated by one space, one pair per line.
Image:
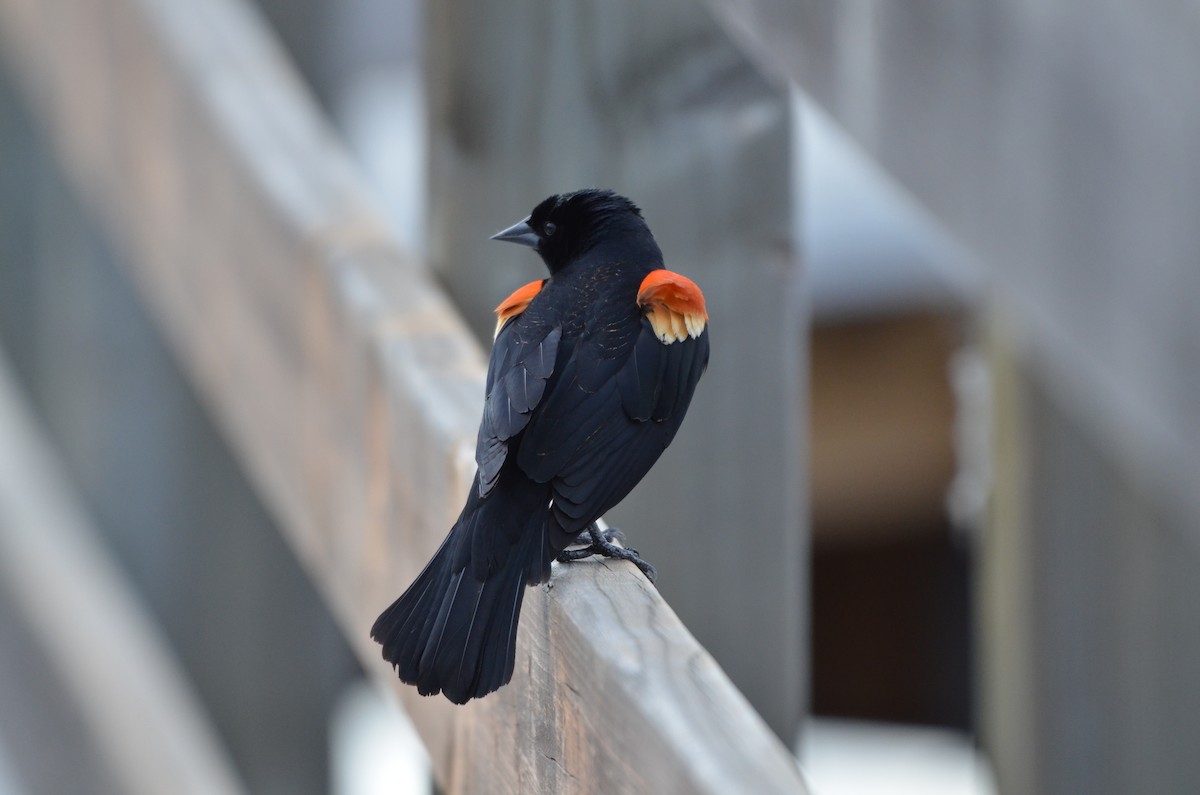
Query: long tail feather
x=454 y=630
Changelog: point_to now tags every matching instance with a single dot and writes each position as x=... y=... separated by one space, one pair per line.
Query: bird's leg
x=601 y=543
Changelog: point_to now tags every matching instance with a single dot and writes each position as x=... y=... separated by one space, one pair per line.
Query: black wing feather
x=520 y=366
x=589 y=419
x=640 y=381
x=593 y=448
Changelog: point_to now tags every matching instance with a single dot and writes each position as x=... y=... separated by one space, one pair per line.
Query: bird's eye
x=548 y=228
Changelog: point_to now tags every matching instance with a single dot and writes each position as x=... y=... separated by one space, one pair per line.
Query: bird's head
x=565 y=227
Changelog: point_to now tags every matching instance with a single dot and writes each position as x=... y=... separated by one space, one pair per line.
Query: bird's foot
x=609 y=534
x=601 y=543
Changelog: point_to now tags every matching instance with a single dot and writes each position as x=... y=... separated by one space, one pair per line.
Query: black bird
x=590 y=375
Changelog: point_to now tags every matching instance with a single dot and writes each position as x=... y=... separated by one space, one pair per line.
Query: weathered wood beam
x=135 y=705
x=350 y=389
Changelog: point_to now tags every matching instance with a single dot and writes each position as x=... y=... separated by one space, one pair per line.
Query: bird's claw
x=601 y=543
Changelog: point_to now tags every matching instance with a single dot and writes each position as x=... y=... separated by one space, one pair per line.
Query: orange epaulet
x=674 y=306
x=515 y=304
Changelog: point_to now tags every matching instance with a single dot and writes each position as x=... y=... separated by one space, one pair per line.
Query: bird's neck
x=634 y=246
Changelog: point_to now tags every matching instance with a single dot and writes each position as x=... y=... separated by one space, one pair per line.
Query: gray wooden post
x=529 y=99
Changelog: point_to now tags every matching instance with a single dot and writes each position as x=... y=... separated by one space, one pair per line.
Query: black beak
x=520 y=232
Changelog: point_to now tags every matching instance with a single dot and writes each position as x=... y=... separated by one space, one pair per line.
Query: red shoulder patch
x=516 y=303
x=674 y=306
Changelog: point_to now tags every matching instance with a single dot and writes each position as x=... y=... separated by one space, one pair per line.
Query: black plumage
x=582 y=398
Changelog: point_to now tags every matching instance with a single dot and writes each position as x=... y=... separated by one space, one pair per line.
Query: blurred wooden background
x=1057 y=143
x=254 y=380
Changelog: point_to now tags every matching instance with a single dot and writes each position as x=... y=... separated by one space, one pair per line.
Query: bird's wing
x=522 y=361
x=618 y=399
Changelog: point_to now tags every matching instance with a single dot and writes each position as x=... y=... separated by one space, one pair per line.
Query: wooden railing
x=350 y=390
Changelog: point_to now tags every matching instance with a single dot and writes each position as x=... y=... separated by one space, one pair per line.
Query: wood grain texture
x=133 y=700
x=350 y=390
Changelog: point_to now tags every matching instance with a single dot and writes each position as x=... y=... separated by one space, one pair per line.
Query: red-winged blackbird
x=591 y=373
